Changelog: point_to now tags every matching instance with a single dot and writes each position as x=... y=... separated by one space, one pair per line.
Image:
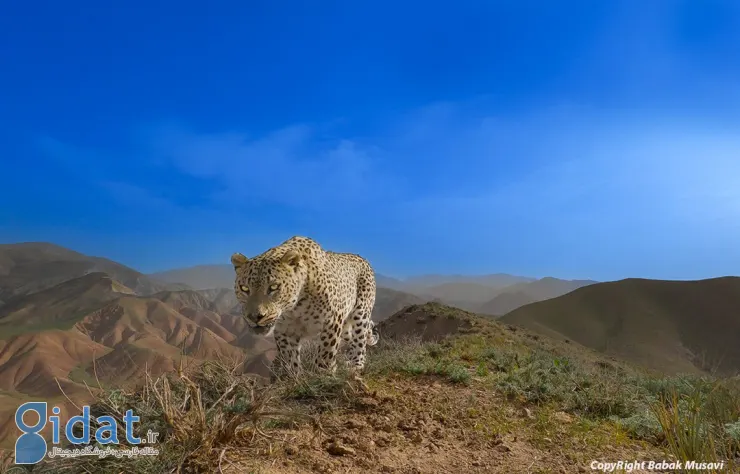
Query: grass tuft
x=198 y=415
x=694 y=420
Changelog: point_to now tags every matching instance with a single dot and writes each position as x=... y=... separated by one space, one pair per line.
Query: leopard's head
x=267 y=286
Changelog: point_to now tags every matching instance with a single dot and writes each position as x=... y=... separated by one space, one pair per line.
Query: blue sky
x=576 y=139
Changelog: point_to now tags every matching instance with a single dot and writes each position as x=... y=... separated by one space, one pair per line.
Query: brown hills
x=520 y=294
x=670 y=326
x=71 y=326
x=203 y=277
x=80 y=325
x=113 y=342
x=33 y=266
x=224 y=299
x=69 y=320
x=429 y=322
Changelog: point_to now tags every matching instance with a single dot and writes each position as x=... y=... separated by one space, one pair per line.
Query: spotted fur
x=299 y=291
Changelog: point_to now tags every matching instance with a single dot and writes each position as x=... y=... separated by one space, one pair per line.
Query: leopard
x=298 y=292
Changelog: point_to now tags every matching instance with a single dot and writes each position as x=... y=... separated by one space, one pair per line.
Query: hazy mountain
x=60 y=306
x=506 y=302
x=520 y=294
x=388 y=302
x=33 y=266
x=388 y=282
x=494 y=280
x=206 y=277
x=200 y=277
x=466 y=295
x=671 y=326
x=468 y=292
x=223 y=299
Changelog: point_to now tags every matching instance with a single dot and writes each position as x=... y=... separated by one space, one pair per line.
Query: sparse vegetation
x=199 y=413
x=412 y=357
x=493 y=388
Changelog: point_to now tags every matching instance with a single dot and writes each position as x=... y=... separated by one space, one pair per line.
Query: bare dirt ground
x=422 y=425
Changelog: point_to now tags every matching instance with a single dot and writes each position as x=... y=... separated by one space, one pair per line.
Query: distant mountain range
x=200 y=277
x=61 y=310
x=494 y=294
x=520 y=294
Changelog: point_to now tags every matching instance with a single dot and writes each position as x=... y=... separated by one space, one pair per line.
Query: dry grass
x=203 y=412
x=698 y=423
x=212 y=416
x=6 y=461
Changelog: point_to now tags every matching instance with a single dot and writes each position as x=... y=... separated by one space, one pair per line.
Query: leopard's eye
x=245 y=289
x=274 y=287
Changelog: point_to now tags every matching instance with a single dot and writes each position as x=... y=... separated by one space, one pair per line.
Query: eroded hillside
x=63 y=343
x=66 y=330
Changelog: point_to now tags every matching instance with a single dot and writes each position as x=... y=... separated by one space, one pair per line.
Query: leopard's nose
x=256 y=317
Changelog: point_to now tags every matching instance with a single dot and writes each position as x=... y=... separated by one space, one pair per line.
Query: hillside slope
x=200 y=277
x=29 y=267
x=388 y=302
x=671 y=326
x=94 y=329
x=508 y=301
x=520 y=294
x=224 y=299
x=59 y=306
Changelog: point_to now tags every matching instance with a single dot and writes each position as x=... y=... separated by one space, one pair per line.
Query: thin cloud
x=289 y=166
x=548 y=187
x=456 y=161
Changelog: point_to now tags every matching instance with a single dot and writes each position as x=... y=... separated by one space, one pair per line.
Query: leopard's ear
x=292 y=258
x=239 y=260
